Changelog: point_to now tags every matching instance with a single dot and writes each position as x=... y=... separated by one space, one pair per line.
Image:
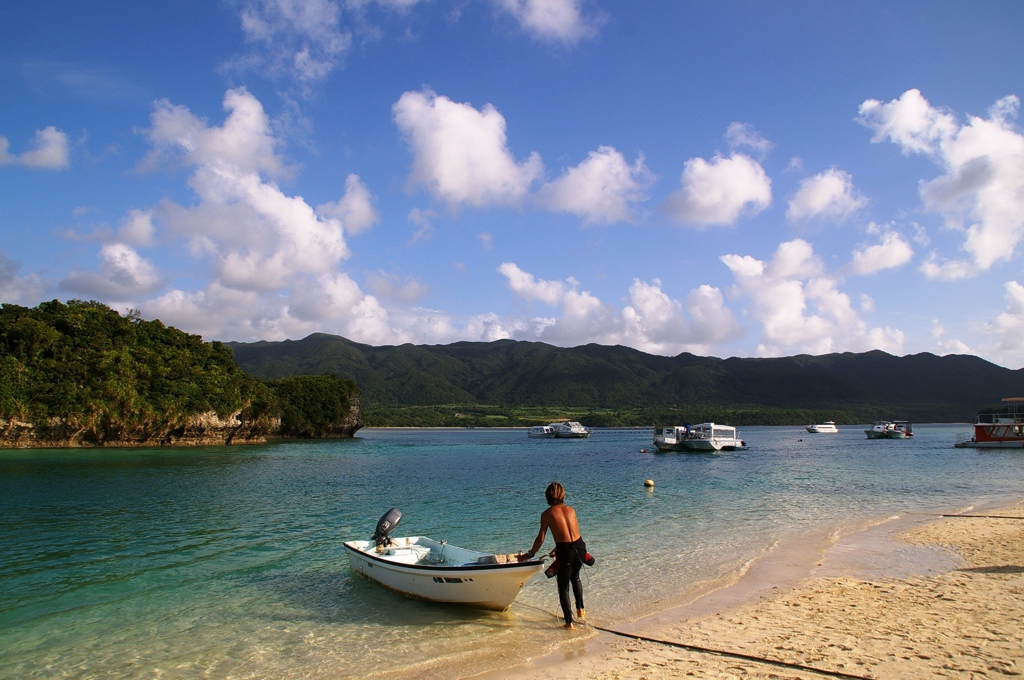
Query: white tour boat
x=703 y=437
x=827 y=427
x=999 y=430
x=426 y=569
x=541 y=432
x=570 y=430
x=890 y=429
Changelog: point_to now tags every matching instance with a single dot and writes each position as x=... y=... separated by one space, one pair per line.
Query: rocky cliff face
x=204 y=429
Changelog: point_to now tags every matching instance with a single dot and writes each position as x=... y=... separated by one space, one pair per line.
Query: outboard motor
x=385 y=525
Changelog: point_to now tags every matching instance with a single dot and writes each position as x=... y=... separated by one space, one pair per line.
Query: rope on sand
x=707 y=650
x=733 y=655
x=936 y=514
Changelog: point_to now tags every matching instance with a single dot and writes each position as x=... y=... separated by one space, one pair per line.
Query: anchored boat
x=427 y=569
x=1002 y=429
x=704 y=437
x=827 y=427
x=890 y=429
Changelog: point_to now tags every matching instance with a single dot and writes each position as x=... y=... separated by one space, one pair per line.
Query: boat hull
x=483 y=586
x=1005 y=444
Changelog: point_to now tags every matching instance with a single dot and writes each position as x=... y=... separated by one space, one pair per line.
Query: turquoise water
x=227 y=562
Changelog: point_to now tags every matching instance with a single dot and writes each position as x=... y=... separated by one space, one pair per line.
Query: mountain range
x=921 y=387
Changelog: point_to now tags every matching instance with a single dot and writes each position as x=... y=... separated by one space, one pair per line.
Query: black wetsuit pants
x=570 y=561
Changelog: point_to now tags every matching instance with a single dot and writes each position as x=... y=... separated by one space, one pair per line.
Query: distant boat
x=570 y=429
x=1001 y=430
x=541 y=432
x=705 y=437
x=890 y=429
x=827 y=427
x=426 y=569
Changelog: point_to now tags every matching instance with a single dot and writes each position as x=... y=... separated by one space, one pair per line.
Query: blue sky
x=722 y=178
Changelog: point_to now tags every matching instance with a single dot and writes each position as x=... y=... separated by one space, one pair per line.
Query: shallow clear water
x=227 y=562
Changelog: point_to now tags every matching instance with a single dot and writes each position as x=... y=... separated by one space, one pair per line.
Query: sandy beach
x=942 y=598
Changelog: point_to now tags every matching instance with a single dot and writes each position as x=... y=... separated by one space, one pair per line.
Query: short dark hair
x=555 y=493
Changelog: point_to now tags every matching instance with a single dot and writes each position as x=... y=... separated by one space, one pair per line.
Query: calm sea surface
x=228 y=562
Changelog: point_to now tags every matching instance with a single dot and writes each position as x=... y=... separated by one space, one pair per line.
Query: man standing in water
x=570 y=549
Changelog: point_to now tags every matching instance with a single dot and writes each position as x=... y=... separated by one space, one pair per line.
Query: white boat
x=827 y=427
x=703 y=437
x=541 y=432
x=427 y=569
x=570 y=430
x=1003 y=429
x=890 y=429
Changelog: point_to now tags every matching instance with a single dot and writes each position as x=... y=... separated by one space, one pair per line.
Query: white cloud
x=123 y=274
x=486 y=240
x=388 y=286
x=742 y=135
x=22 y=290
x=894 y=251
x=655 y=323
x=354 y=209
x=526 y=286
x=301 y=40
x=137 y=228
x=49 y=151
x=720 y=191
x=910 y=121
x=555 y=20
x=460 y=154
x=257 y=237
x=245 y=140
x=983 y=184
x=1008 y=328
x=829 y=195
x=944 y=345
x=601 y=189
x=799 y=306
x=652 y=321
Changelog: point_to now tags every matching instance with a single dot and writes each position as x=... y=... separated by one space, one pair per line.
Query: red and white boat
x=1003 y=429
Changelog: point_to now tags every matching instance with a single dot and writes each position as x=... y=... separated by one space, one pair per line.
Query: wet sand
x=917 y=596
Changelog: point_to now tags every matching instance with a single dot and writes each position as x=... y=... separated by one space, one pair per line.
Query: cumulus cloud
x=123 y=274
x=300 y=41
x=553 y=20
x=461 y=154
x=719 y=191
x=244 y=142
x=944 y=345
x=49 y=151
x=894 y=251
x=829 y=195
x=354 y=209
x=652 y=321
x=800 y=307
x=981 y=192
x=1008 y=328
x=602 y=189
x=21 y=290
x=257 y=236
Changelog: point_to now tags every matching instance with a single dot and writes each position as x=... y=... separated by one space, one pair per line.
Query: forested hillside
x=508 y=373
x=81 y=371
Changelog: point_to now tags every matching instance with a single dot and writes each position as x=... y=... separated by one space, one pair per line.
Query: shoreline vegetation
x=82 y=375
x=479 y=415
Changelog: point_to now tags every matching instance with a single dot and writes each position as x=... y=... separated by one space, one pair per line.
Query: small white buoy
x=649 y=483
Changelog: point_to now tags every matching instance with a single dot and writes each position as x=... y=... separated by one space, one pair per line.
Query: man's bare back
x=561 y=519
